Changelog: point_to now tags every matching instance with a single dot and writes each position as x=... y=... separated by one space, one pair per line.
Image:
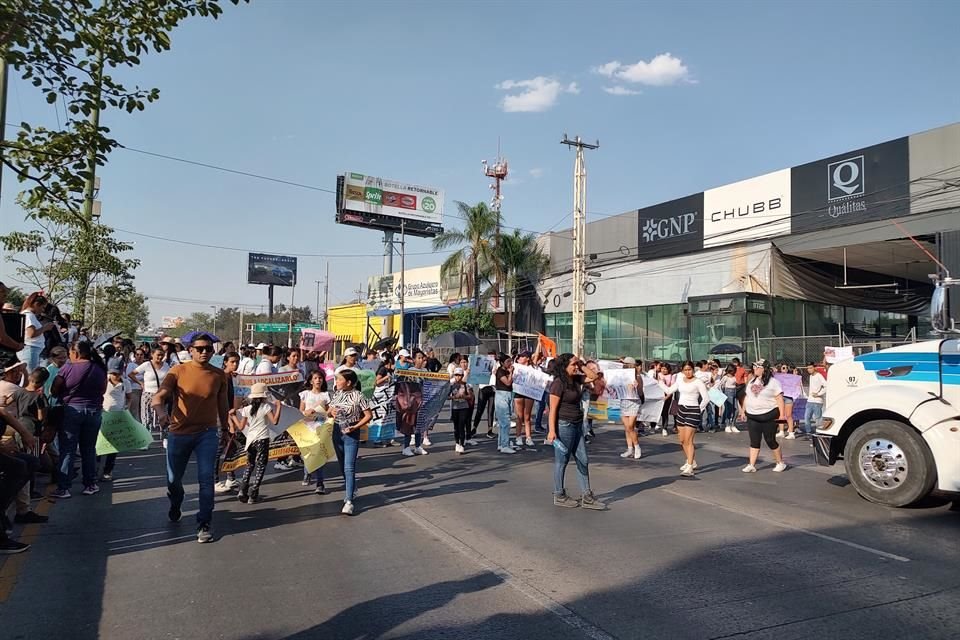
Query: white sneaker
x=529 y=442
x=749 y=469
x=507 y=450
x=687 y=472
x=472 y=442
x=420 y=451
x=780 y=434
x=734 y=430
x=684 y=467
x=663 y=432
x=407 y=451
x=347 y=508
x=729 y=429
x=426 y=441
x=628 y=453
x=458 y=448
x=781 y=467
x=791 y=436
x=513 y=424
x=518 y=443
x=636 y=453
x=221 y=487
x=233 y=484
x=281 y=466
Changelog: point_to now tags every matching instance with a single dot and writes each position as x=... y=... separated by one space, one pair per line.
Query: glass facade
x=679 y=331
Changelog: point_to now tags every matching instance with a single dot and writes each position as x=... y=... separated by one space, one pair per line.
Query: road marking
x=784 y=525
x=10 y=569
x=534 y=594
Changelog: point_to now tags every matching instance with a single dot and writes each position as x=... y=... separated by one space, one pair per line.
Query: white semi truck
x=893 y=417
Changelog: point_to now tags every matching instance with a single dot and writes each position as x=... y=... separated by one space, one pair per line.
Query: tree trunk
x=476 y=283
x=508 y=300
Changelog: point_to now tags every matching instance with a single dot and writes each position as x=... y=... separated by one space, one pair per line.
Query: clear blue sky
x=421 y=92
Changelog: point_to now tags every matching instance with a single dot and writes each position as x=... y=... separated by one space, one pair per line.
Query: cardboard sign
x=120 y=432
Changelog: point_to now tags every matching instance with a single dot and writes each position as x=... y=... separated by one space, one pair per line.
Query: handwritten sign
x=621 y=384
x=120 y=432
x=481 y=367
x=790 y=384
x=530 y=382
x=837 y=354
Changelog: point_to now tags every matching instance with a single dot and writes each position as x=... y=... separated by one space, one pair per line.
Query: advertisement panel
x=858 y=186
x=381 y=203
x=422 y=290
x=671 y=228
x=746 y=210
x=263 y=268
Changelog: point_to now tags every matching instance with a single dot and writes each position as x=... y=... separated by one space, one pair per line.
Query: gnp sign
x=747 y=210
x=671 y=228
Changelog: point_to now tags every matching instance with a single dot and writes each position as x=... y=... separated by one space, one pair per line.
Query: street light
x=317 y=308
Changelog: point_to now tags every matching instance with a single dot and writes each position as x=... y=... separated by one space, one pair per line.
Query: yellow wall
x=349 y=320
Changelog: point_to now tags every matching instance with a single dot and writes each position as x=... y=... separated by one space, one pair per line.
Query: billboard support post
x=387 y=270
x=403 y=290
x=270 y=303
x=290 y=316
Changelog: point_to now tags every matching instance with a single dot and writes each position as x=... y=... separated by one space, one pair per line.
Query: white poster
x=621 y=384
x=421 y=289
x=653 y=401
x=837 y=354
x=382 y=196
x=530 y=382
x=747 y=210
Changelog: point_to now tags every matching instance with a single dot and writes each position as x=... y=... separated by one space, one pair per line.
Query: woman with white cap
x=350 y=358
x=629 y=410
x=253 y=422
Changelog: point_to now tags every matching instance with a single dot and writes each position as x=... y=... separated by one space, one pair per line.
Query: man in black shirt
x=433 y=365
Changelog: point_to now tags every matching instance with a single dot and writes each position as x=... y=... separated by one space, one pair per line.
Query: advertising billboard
x=671 y=228
x=850 y=188
x=263 y=268
x=423 y=290
x=385 y=204
x=747 y=210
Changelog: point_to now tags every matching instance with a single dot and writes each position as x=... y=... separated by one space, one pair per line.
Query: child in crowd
x=114 y=399
x=254 y=422
x=313 y=405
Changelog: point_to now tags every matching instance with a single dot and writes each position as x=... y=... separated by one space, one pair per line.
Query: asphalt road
x=447 y=546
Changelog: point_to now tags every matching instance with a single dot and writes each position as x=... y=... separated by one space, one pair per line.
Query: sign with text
x=481 y=367
x=388 y=205
x=671 y=228
x=120 y=432
x=858 y=186
x=421 y=289
x=747 y=210
x=530 y=382
x=264 y=268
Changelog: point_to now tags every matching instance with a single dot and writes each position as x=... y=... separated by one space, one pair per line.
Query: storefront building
x=779 y=264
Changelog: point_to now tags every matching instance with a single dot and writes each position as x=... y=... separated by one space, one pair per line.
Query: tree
x=522 y=262
x=62 y=258
x=463 y=319
x=473 y=260
x=120 y=307
x=67 y=50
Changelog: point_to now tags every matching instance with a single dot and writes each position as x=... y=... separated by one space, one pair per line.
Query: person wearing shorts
x=690 y=405
x=629 y=410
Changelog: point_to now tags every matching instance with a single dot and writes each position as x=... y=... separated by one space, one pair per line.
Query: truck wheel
x=889 y=463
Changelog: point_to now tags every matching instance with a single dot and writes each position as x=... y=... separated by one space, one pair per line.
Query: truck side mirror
x=940 y=310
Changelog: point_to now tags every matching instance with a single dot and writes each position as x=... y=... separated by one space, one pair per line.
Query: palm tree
x=522 y=263
x=475 y=257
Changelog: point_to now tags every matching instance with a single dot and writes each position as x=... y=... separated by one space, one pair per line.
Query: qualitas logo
x=663 y=228
x=846 y=186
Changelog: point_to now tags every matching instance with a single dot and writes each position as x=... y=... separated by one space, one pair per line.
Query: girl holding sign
x=313 y=405
x=253 y=422
x=693 y=400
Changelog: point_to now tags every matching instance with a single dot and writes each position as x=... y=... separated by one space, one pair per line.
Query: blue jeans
x=813 y=412
x=541 y=407
x=571 y=435
x=709 y=416
x=502 y=407
x=179 y=449
x=347 y=447
x=730 y=406
x=80 y=428
x=416 y=438
x=31 y=356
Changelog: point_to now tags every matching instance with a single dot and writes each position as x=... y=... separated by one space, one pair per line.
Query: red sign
x=400 y=200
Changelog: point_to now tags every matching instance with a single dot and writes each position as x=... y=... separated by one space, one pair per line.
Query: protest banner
x=282 y=443
x=837 y=354
x=621 y=384
x=421 y=392
x=598 y=409
x=481 y=368
x=790 y=384
x=120 y=432
x=280 y=384
x=606 y=365
x=653 y=400
x=530 y=382
x=547 y=346
x=316 y=340
x=315 y=442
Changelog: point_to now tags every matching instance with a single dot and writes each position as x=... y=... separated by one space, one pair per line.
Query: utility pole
x=317 y=308
x=579 y=238
x=214 y=307
x=387 y=270
x=89 y=187
x=403 y=286
x=326 y=299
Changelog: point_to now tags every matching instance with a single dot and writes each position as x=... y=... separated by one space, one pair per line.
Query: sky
x=682 y=96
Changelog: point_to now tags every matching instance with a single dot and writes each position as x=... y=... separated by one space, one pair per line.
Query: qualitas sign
x=747 y=210
x=671 y=228
x=854 y=187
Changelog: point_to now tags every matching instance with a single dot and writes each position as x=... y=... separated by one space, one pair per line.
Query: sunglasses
x=204 y=349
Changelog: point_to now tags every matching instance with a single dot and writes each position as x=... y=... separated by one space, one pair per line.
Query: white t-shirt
x=247 y=366
x=693 y=393
x=265 y=367
x=818 y=388
x=128 y=384
x=33 y=321
x=256 y=428
x=151 y=376
x=315 y=401
x=761 y=399
x=704 y=376
x=114 y=399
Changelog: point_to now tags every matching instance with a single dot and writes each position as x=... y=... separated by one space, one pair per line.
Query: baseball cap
x=115 y=366
x=458 y=371
x=261 y=346
x=351 y=352
x=630 y=361
x=403 y=353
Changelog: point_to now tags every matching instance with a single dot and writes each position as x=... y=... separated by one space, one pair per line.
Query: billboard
x=858 y=186
x=671 y=228
x=388 y=205
x=747 y=210
x=423 y=287
x=264 y=268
